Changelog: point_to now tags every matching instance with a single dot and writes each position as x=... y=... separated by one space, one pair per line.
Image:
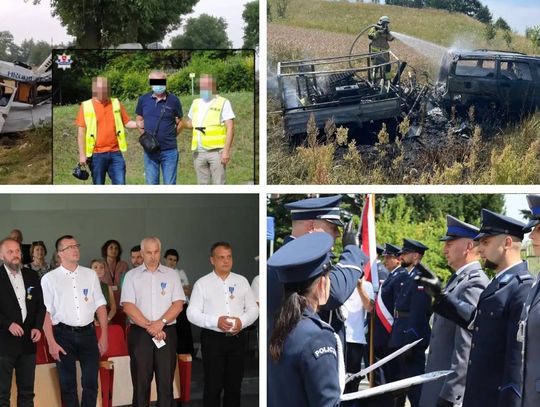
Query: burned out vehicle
x=25 y=96
x=492 y=81
x=349 y=90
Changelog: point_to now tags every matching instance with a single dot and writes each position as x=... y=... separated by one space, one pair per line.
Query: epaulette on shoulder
x=474 y=274
x=524 y=277
x=506 y=278
x=320 y=323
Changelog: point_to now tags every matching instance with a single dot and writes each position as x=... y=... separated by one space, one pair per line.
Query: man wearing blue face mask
x=160 y=112
x=212 y=119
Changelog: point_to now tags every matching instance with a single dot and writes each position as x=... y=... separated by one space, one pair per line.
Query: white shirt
x=255 y=288
x=17 y=283
x=152 y=292
x=354 y=324
x=226 y=114
x=183 y=277
x=213 y=297
x=72 y=297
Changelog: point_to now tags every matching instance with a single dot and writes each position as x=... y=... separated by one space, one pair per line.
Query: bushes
x=233 y=74
x=128 y=72
x=506 y=158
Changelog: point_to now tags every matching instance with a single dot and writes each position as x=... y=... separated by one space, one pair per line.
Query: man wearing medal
x=21 y=318
x=223 y=305
x=152 y=297
x=72 y=295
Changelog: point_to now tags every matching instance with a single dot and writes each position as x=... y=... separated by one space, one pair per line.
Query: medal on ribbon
x=29 y=293
x=231 y=290
x=85 y=293
x=163 y=285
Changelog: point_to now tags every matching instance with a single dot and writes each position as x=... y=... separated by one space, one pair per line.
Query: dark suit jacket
x=494 y=373
x=11 y=312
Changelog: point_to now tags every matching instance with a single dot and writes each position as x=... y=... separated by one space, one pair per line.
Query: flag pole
x=372 y=322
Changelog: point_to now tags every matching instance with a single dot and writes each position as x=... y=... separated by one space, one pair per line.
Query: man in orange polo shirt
x=101 y=135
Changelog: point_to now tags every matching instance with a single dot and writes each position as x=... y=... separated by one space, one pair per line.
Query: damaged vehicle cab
x=25 y=96
x=491 y=81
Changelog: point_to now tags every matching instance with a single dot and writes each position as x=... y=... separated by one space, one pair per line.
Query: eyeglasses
x=71 y=246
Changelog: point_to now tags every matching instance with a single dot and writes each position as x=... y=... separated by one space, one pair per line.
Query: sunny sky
x=24 y=20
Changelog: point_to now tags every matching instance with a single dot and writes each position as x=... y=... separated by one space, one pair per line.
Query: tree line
x=472 y=8
x=415 y=216
x=106 y=23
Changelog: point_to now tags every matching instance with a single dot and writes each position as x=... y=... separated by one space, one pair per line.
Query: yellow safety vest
x=91 y=125
x=215 y=133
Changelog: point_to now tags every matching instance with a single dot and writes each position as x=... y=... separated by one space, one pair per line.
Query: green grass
x=437 y=26
x=25 y=158
x=239 y=171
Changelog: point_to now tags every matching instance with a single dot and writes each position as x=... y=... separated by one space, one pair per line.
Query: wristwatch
x=164 y=321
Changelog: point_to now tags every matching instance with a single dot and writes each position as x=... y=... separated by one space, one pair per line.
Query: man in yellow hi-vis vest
x=101 y=134
x=212 y=119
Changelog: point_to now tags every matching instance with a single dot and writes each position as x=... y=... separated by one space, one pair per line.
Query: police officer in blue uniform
x=382 y=271
x=321 y=214
x=494 y=373
x=529 y=325
x=384 y=312
x=411 y=319
x=305 y=361
x=450 y=345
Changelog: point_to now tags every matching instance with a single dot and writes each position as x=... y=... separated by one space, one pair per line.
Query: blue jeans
x=108 y=163
x=82 y=346
x=167 y=160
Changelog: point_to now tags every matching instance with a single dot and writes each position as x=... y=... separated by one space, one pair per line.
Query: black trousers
x=183 y=331
x=353 y=364
x=82 y=346
x=412 y=363
x=223 y=363
x=25 y=367
x=147 y=359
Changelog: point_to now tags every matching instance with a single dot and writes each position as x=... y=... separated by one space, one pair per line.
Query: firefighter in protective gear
x=379 y=42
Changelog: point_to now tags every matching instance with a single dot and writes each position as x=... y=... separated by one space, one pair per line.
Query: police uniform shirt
x=17 y=283
x=152 y=292
x=226 y=114
x=213 y=297
x=72 y=297
x=460 y=270
x=308 y=372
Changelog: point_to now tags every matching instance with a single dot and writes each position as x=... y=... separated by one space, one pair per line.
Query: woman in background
x=98 y=265
x=38 y=251
x=115 y=267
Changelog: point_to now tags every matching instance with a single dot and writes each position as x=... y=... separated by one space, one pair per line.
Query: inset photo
x=405 y=92
x=154 y=117
x=25 y=114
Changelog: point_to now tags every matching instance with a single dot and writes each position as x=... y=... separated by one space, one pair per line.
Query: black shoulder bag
x=149 y=141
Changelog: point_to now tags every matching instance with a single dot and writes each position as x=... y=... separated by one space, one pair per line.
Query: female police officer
x=305 y=367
